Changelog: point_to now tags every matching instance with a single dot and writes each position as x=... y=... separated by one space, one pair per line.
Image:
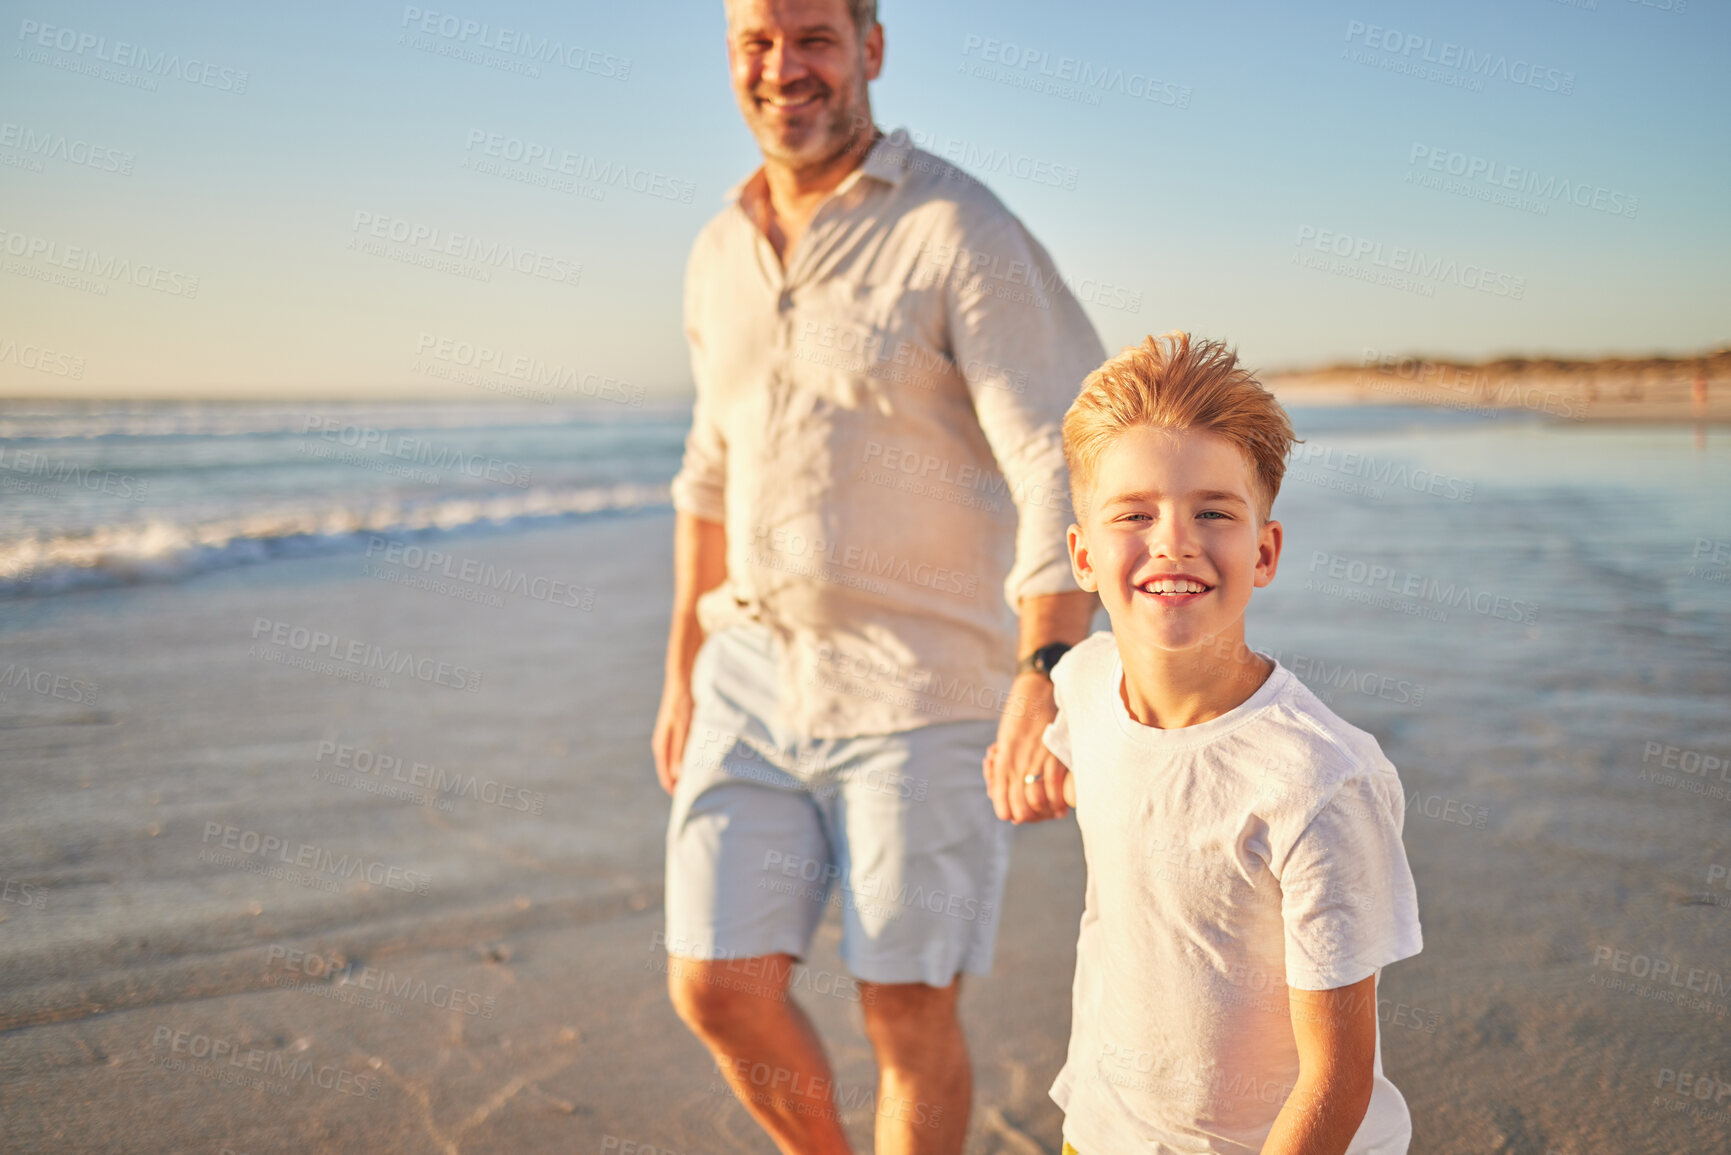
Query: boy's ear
x=1268 y=542
x=1080 y=565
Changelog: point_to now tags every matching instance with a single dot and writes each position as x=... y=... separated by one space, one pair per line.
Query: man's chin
x=795 y=149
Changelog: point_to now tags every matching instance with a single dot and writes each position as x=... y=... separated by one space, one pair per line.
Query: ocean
x=95 y=495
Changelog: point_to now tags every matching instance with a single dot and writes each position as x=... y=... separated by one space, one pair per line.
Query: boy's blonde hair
x=1172 y=382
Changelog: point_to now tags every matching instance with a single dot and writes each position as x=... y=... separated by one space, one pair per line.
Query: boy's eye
x=1213 y=513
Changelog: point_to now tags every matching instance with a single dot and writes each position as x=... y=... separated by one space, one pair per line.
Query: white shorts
x=769 y=828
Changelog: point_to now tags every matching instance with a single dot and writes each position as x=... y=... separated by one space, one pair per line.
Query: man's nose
x=782 y=64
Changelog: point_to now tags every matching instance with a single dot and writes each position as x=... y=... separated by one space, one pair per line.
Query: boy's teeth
x=1175 y=587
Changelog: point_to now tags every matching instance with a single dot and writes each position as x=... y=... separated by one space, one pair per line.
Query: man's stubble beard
x=841 y=130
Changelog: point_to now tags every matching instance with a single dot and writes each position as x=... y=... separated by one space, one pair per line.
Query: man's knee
x=900 y=1015
x=713 y=995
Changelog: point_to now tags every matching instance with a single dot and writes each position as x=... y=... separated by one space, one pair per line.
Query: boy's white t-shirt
x=1226 y=861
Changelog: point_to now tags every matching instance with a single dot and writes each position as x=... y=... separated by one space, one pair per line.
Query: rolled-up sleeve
x=1024 y=346
x=699 y=488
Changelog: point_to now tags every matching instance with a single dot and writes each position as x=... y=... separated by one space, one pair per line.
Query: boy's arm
x=1336 y=1035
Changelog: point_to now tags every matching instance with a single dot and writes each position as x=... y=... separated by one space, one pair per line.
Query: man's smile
x=785 y=104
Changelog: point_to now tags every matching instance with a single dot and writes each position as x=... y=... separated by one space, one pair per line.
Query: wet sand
x=1577 y=866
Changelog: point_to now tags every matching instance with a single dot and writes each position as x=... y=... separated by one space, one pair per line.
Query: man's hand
x=1019 y=752
x=1030 y=707
x=672 y=728
x=699 y=565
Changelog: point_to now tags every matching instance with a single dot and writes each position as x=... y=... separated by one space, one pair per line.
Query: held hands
x=1019 y=753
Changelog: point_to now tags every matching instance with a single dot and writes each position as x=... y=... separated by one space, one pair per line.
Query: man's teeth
x=1172 y=586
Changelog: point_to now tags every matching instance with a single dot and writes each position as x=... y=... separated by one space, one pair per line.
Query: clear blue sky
x=1275 y=129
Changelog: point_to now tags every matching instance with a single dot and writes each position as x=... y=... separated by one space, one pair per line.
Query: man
x=870 y=533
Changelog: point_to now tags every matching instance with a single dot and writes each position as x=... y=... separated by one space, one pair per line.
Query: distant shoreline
x=1642 y=389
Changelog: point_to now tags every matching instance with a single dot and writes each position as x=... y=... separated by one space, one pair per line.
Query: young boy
x=1246 y=879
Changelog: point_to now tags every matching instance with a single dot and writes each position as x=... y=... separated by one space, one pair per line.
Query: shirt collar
x=886 y=161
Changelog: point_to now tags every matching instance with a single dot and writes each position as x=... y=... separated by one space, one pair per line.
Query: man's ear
x=874 y=51
x=1081 y=567
x=1268 y=542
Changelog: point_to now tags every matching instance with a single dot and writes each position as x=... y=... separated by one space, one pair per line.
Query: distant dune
x=1685 y=388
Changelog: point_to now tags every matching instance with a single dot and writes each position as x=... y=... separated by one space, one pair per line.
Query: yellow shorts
x=1069 y=1150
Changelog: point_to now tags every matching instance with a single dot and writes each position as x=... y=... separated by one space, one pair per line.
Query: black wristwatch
x=1043 y=659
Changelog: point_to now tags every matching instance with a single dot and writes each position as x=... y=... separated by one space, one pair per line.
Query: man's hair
x=1173 y=382
x=864 y=13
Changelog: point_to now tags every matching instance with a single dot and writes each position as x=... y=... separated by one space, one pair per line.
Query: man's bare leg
x=925 y=1082
x=765 y=1045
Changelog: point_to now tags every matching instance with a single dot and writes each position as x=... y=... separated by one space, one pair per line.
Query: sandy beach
x=1648 y=389
x=188 y=965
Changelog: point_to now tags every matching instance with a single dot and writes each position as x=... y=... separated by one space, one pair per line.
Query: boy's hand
x=1019 y=752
